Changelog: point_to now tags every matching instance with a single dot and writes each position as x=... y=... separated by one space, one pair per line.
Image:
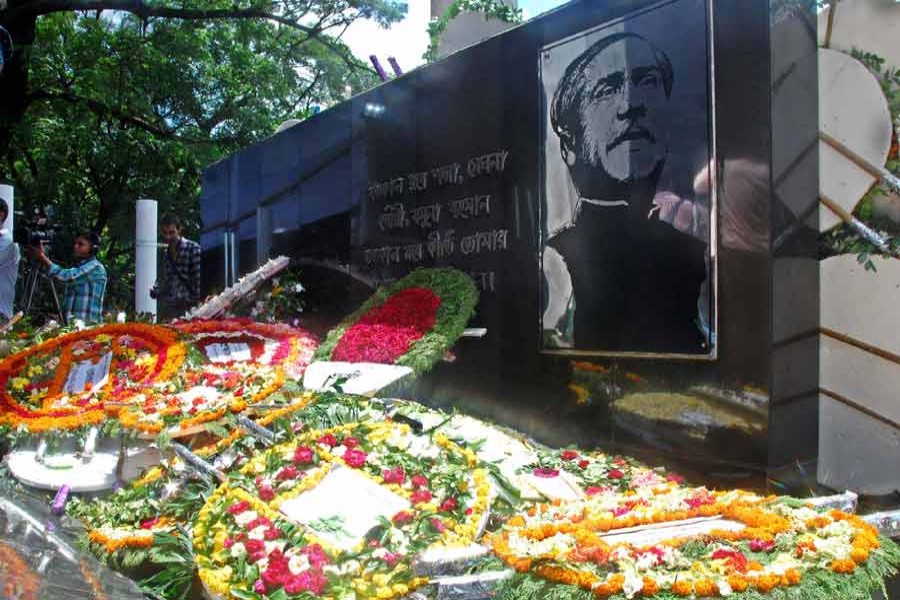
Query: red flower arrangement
x=386 y=332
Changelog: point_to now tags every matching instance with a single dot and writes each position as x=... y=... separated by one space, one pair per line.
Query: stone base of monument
x=64 y=466
x=364 y=379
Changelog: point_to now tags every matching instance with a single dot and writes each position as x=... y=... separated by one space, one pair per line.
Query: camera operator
x=9 y=265
x=85 y=282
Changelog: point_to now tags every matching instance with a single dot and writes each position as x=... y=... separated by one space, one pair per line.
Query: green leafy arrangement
x=458 y=296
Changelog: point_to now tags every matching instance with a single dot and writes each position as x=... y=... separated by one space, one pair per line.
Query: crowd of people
x=84 y=281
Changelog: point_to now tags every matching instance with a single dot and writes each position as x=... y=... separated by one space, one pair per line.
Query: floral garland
x=32 y=382
x=243 y=544
x=776 y=544
x=599 y=473
x=109 y=535
x=411 y=322
x=207 y=391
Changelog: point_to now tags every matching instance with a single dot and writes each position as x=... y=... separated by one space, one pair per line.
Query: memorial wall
x=632 y=186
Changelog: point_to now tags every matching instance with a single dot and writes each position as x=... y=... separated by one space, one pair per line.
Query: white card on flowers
x=649 y=535
x=364 y=379
x=343 y=507
x=228 y=352
x=86 y=371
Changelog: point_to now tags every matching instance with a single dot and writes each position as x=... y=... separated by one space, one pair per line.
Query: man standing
x=178 y=288
x=635 y=279
x=85 y=282
x=9 y=265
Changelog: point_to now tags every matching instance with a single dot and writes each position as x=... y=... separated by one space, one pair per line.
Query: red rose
x=569 y=455
x=149 y=523
x=328 y=440
x=316 y=556
x=272 y=534
x=288 y=472
x=675 y=479
x=350 y=442
x=276 y=574
x=761 y=546
x=615 y=474
x=303 y=455
x=594 y=490
x=584 y=464
x=239 y=507
x=396 y=475
x=403 y=517
x=419 y=481
x=420 y=496
x=266 y=492
x=355 y=458
x=254 y=546
x=448 y=505
x=438 y=525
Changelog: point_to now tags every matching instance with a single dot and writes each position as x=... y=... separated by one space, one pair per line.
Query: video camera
x=36 y=228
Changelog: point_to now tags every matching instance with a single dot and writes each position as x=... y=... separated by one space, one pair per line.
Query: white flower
x=298 y=563
x=298 y=288
x=633 y=583
x=120 y=317
x=258 y=533
x=245 y=517
x=271 y=546
x=238 y=550
x=79 y=324
x=724 y=588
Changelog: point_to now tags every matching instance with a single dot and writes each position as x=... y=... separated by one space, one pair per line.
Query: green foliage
x=121 y=107
x=494 y=9
x=458 y=296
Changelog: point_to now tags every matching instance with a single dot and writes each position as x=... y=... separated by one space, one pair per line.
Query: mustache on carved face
x=634 y=132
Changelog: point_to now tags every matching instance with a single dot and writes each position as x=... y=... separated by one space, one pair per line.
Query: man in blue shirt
x=85 y=282
x=9 y=265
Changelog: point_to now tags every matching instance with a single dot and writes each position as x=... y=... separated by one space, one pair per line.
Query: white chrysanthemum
x=238 y=550
x=245 y=517
x=298 y=563
x=633 y=583
x=258 y=533
x=724 y=588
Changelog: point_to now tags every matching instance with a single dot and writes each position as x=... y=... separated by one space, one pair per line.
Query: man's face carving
x=621 y=104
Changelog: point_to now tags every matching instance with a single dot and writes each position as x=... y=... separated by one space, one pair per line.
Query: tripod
x=35 y=274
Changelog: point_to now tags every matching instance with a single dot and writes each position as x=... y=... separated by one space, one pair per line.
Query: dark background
x=487 y=98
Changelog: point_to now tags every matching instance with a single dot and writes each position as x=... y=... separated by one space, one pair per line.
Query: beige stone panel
x=861 y=304
x=864 y=378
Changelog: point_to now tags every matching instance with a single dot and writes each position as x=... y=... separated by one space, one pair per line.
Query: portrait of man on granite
x=626 y=263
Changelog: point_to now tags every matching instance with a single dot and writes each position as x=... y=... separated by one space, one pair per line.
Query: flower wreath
x=410 y=323
x=245 y=545
x=128 y=519
x=206 y=391
x=598 y=473
x=770 y=543
x=33 y=382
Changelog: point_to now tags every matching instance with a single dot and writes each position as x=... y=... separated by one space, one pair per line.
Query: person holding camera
x=178 y=288
x=85 y=282
x=9 y=265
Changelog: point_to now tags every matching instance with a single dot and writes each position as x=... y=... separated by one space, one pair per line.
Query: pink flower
x=675 y=478
x=149 y=523
x=546 y=473
x=420 y=496
x=272 y=534
x=438 y=525
x=254 y=546
x=419 y=481
x=276 y=573
x=258 y=521
x=615 y=474
x=303 y=455
x=761 y=546
x=266 y=492
x=316 y=556
x=569 y=455
x=228 y=543
x=391 y=558
x=350 y=442
x=238 y=508
x=355 y=458
x=259 y=587
x=309 y=581
x=448 y=505
x=594 y=490
x=403 y=517
x=396 y=475
x=328 y=440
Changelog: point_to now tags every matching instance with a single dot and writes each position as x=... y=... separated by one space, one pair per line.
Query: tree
x=104 y=107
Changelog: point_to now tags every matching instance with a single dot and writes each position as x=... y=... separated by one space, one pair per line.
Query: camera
x=36 y=228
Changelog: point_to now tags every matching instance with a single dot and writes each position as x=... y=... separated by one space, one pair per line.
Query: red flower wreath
x=386 y=332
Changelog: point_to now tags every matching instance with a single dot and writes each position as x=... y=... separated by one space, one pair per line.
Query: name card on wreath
x=84 y=372
x=228 y=352
x=344 y=507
